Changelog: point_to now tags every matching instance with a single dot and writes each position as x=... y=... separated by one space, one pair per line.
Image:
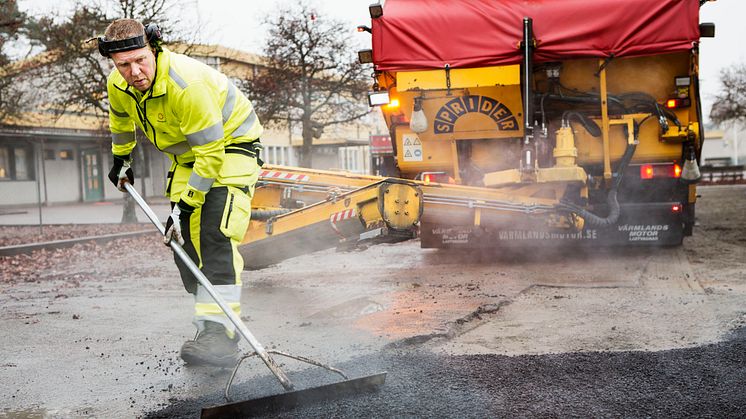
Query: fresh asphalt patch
x=704 y=381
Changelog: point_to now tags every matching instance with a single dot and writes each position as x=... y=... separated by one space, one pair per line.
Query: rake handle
x=242 y=329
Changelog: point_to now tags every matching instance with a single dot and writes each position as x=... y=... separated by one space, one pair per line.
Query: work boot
x=211 y=347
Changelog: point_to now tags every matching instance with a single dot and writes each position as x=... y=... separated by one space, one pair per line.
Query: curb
x=59 y=244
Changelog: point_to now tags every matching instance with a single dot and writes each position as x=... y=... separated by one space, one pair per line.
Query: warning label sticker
x=412 y=147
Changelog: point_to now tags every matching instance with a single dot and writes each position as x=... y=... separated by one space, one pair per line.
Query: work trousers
x=212 y=234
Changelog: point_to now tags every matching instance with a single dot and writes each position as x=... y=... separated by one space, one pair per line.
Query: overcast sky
x=237 y=24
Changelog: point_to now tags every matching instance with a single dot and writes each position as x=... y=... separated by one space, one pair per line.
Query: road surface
x=94 y=331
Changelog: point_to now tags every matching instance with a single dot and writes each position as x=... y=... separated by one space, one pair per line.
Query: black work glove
x=180 y=211
x=121 y=172
x=173 y=227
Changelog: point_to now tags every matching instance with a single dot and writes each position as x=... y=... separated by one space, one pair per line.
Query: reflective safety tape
x=200 y=183
x=175 y=77
x=230 y=101
x=273 y=174
x=245 y=125
x=207 y=135
x=119 y=114
x=340 y=216
x=212 y=312
x=178 y=148
x=213 y=309
x=122 y=138
x=230 y=293
x=206 y=309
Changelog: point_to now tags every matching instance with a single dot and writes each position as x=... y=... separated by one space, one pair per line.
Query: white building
x=725 y=146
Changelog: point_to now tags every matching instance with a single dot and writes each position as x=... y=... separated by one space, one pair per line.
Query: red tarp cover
x=417 y=34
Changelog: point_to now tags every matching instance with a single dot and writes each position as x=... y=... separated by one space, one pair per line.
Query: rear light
x=676 y=171
x=657 y=171
x=678 y=103
x=646 y=171
x=435 y=177
x=676 y=208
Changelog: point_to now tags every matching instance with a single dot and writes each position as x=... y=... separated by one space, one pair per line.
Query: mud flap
x=639 y=225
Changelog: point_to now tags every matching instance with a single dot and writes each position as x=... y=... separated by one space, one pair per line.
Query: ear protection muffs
x=152 y=35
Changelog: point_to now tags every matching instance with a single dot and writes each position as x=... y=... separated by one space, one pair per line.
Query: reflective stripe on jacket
x=191 y=113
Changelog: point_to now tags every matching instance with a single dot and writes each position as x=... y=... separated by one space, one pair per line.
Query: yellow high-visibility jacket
x=194 y=114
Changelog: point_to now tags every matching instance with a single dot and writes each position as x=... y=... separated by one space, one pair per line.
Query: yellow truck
x=513 y=122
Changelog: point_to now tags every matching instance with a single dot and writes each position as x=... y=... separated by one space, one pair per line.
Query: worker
x=210 y=131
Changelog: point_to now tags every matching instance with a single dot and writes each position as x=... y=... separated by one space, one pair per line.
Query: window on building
x=16 y=162
x=141 y=163
x=50 y=154
x=355 y=159
x=213 y=62
x=280 y=155
x=21 y=157
x=4 y=163
x=66 y=155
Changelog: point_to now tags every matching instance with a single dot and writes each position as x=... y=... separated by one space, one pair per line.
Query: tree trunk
x=306 y=151
x=128 y=210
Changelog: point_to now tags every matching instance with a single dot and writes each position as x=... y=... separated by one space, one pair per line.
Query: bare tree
x=313 y=76
x=71 y=72
x=76 y=78
x=730 y=102
x=74 y=73
x=11 y=24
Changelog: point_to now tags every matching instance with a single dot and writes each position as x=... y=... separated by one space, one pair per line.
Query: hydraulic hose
x=611 y=199
x=263 y=215
x=590 y=100
x=584 y=100
x=589 y=125
x=593 y=219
